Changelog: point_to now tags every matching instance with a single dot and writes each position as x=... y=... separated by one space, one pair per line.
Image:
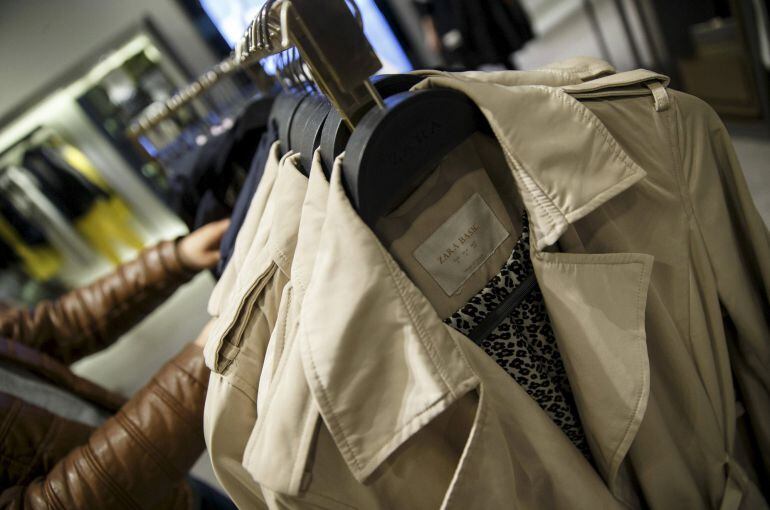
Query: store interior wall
x=44 y=39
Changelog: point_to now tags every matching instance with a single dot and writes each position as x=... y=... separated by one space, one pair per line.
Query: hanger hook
x=256 y=28
x=294 y=70
x=284 y=63
x=309 y=79
x=265 y=25
x=279 y=73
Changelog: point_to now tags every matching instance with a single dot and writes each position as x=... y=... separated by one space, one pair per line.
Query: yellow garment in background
x=108 y=221
x=116 y=209
x=103 y=233
x=82 y=164
x=40 y=262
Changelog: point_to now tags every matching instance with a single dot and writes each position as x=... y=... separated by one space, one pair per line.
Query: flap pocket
x=226 y=337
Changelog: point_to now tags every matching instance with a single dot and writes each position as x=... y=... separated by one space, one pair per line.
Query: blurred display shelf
x=62 y=111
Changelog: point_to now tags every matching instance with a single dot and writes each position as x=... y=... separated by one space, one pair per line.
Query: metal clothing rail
x=184 y=96
x=331 y=43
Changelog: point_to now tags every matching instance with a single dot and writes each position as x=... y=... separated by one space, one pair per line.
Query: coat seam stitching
x=51 y=496
x=43 y=444
x=115 y=488
x=135 y=433
x=172 y=403
x=10 y=418
x=462 y=474
x=335 y=422
x=254 y=292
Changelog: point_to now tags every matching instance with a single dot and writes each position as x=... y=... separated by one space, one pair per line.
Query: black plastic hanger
x=310 y=137
x=256 y=114
x=335 y=134
x=288 y=68
x=393 y=150
x=306 y=129
x=282 y=116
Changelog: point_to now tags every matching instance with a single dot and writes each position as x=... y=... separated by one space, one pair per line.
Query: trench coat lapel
x=596 y=303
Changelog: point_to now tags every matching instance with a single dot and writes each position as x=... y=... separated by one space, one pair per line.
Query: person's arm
x=137 y=459
x=91 y=318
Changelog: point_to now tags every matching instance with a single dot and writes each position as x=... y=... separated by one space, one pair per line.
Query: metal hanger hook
x=264 y=24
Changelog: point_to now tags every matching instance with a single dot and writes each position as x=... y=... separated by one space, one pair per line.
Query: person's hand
x=200 y=249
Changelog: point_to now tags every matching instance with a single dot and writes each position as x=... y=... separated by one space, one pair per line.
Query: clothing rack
x=331 y=43
x=192 y=91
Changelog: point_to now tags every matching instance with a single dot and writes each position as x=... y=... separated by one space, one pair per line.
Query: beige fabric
x=225 y=287
x=644 y=235
x=571 y=71
x=284 y=406
x=236 y=350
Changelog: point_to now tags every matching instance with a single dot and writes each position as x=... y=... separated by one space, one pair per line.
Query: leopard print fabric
x=523 y=344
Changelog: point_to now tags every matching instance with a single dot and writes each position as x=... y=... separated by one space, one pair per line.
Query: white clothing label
x=462 y=244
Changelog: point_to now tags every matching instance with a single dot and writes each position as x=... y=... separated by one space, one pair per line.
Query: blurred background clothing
x=474 y=33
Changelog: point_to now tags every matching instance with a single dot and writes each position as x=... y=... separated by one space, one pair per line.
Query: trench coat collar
x=287 y=197
x=570 y=71
x=565 y=162
x=311 y=223
x=380 y=362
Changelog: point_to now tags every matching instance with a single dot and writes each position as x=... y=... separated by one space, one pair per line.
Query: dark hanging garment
x=210 y=208
x=497 y=28
x=29 y=233
x=64 y=186
x=204 y=186
x=192 y=177
x=478 y=32
x=245 y=196
x=7 y=256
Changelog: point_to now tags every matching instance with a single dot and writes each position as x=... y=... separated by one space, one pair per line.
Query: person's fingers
x=218 y=228
x=200 y=249
x=211 y=257
x=215 y=233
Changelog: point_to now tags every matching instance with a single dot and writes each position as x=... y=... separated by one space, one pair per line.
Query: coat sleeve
x=738 y=247
x=138 y=458
x=91 y=318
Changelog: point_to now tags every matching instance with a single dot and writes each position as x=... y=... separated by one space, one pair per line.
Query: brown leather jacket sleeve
x=91 y=318
x=138 y=459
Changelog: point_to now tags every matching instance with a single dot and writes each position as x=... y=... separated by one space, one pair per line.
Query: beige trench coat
x=654 y=267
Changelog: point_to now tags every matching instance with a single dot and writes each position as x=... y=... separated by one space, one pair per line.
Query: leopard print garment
x=523 y=344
